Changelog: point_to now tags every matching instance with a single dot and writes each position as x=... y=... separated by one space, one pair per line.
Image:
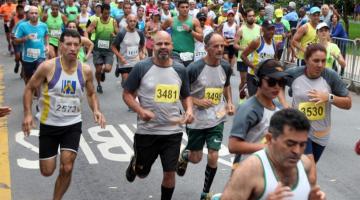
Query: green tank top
x=71 y=12
x=309 y=38
x=81 y=55
x=55 y=25
x=248 y=35
x=183 y=41
x=104 y=36
x=93 y=35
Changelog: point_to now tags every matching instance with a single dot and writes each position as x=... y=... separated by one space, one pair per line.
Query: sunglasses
x=273 y=81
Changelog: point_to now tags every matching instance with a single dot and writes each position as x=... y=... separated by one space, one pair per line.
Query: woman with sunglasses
x=86 y=44
x=332 y=50
x=315 y=89
x=250 y=125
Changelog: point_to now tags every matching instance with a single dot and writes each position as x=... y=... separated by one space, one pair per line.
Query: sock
x=209 y=177
x=185 y=155
x=166 y=193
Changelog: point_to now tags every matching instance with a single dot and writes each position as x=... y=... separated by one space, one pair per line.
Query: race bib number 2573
x=166 y=93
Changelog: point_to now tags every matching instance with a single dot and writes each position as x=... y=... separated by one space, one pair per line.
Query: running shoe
x=181 y=165
x=130 y=171
x=99 y=89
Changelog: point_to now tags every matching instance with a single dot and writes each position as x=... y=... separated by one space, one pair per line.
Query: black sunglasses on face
x=273 y=81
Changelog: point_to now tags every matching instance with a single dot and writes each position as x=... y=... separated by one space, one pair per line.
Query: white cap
x=120 y=1
x=27 y=8
x=221 y=1
x=292 y=4
x=321 y=25
x=192 y=1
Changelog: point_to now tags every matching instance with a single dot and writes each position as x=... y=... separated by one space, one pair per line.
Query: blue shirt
x=338 y=31
x=291 y=16
x=116 y=13
x=141 y=25
x=33 y=48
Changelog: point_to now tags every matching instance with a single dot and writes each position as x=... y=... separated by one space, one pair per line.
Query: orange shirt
x=7 y=11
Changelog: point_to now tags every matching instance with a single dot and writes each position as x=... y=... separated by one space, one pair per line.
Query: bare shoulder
x=86 y=69
x=250 y=167
x=307 y=163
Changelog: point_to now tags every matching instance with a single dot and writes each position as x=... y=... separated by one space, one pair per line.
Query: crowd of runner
x=176 y=60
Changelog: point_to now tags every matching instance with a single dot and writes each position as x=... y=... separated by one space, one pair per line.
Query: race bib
x=132 y=51
x=166 y=93
x=180 y=28
x=55 y=33
x=213 y=94
x=67 y=106
x=32 y=53
x=200 y=54
x=103 y=44
x=313 y=112
x=186 y=56
x=278 y=38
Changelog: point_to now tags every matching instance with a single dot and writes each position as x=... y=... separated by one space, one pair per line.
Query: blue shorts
x=241 y=67
x=315 y=149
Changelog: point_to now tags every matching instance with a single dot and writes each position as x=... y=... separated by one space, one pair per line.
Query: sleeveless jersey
x=263 y=52
x=60 y=100
x=248 y=35
x=229 y=31
x=55 y=25
x=181 y=37
x=300 y=191
x=104 y=36
x=309 y=38
x=83 y=21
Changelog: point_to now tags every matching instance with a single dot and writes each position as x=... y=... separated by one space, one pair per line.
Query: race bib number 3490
x=312 y=111
x=166 y=93
x=213 y=94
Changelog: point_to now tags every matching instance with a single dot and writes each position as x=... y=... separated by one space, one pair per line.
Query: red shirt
x=150 y=9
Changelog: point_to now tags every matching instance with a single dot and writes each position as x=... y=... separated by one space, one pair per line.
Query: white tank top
x=83 y=20
x=264 y=52
x=60 y=99
x=300 y=191
x=229 y=31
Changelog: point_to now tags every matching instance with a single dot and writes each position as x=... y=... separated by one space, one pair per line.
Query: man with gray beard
x=162 y=85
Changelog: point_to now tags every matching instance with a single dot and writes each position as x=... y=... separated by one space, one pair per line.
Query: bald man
x=33 y=34
x=161 y=85
x=128 y=47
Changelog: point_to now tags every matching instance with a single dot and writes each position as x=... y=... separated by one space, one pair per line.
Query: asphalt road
x=104 y=154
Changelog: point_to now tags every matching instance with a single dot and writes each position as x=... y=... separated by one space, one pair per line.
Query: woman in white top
x=83 y=17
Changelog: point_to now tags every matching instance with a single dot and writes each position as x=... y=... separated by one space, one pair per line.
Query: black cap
x=268 y=24
x=271 y=68
x=201 y=15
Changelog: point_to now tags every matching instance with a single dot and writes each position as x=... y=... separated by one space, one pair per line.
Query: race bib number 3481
x=166 y=93
x=312 y=111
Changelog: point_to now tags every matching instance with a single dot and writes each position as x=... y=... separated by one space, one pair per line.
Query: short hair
x=182 y=2
x=209 y=36
x=105 y=7
x=19 y=6
x=55 y=3
x=312 y=48
x=262 y=8
x=69 y=33
x=126 y=4
x=249 y=10
x=288 y=117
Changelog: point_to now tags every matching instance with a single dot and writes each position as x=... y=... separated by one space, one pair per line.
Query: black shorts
x=148 y=147
x=6 y=28
x=30 y=67
x=230 y=51
x=241 y=67
x=50 y=137
x=124 y=70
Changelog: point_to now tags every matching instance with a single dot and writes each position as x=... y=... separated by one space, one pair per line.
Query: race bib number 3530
x=166 y=93
x=213 y=94
x=312 y=111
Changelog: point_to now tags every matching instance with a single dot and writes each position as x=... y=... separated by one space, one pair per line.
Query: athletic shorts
x=241 y=67
x=315 y=149
x=212 y=136
x=252 y=88
x=30 y=67
x=17 y=48
x=230 y=51
x=6 y=28
x=51 y=137
x=148 y=147
x=124 y=70
x=103 y=57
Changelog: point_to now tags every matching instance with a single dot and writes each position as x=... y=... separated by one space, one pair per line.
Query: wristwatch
x=331 y=98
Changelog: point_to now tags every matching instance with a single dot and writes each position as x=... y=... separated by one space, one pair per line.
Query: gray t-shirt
x=251 y=122
x=209 y=82
x=159 y=89
x=269 y=11
x=319 y=115
x=129 y=45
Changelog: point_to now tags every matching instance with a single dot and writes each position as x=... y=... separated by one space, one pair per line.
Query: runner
x=86 y=45
x=209 y=83
x=55 y=22
x=33 y=34
x=184 y=30
x=282 y=29
x=140 y=19
x=20 y=15
x=250 y=125
x=62 y=81
x=83 y=17
x=94 y=17
x=105 y=28
x=259 y=50
x=315 y=89
x=151 y=28
x=228 y=30
x=160 y=83
x=6 y=10
x=248 y=32
x=128 y=46
x=127 y=11
x=200 y=51
x=71 y=10
x=280 y=171
x=306 y=35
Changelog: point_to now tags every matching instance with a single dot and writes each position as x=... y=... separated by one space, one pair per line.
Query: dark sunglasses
x=273 y=81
